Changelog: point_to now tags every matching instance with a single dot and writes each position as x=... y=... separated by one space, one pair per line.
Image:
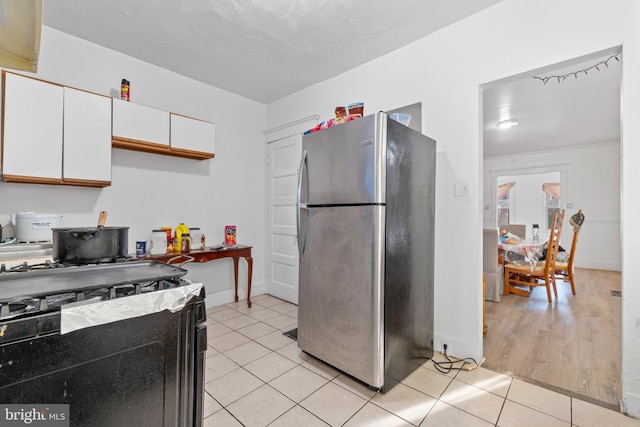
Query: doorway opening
x=554 y=136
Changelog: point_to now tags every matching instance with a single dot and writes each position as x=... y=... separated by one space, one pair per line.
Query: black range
x=142 y=370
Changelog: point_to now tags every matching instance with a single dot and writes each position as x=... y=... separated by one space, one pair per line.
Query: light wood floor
x=573 y=344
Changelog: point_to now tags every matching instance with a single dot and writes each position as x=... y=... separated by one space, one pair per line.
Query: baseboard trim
x=456 y=348
x=215 y=299
x=599 y=265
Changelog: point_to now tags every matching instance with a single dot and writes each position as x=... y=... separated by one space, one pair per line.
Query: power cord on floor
x=468 y=364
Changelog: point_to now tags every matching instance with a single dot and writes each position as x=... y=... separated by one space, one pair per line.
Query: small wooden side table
x=205 y=255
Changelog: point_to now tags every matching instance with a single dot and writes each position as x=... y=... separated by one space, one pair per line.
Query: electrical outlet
x=445 y=348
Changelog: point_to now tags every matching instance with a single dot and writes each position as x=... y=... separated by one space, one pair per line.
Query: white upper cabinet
x=192 y=135
x=54 y=134
x=135 y=125
x=32 y=130
x=140 y=128
x=87 y=136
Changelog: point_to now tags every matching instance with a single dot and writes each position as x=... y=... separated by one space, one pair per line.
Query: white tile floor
x=255 y=376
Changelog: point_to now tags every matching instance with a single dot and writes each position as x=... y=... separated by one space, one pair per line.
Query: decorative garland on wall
x=561 y=78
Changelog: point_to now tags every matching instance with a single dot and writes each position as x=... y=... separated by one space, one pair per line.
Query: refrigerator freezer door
x=340 y=301
x=345 y=163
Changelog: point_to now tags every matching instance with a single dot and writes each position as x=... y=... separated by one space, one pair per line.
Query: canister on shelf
x=181 y=230
x=195 y=235
x=141 y=247
x=169 y=231
x=125 y=88
x=186 y=242
x=158 y=242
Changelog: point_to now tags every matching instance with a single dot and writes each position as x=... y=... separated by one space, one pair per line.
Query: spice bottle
x=169 y=231
x=203 y=244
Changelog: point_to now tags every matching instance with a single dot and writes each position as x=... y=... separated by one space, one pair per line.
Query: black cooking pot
x=89 y=245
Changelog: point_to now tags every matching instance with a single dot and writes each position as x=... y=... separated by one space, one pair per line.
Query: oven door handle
x=200 y=355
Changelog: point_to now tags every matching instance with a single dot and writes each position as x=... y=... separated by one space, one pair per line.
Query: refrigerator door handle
x=299 y=206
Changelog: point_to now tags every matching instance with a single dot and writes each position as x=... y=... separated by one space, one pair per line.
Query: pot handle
x=83 y=234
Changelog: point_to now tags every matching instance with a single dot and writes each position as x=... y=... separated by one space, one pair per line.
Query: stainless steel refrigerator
x=365 y=222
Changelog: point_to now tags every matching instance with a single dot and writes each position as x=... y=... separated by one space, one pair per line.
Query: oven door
x=146 y=371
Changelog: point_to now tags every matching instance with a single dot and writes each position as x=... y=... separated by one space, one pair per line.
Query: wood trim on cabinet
x=85 y=183
x=137 y=145
x=190 y=154
x=150 y=147
x=19 y=179
x=31 y=179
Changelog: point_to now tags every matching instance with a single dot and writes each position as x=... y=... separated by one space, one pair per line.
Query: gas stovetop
x=32 y=264
x=49 y=285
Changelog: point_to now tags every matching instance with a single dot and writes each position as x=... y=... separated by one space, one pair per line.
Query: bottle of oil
x=180 y=230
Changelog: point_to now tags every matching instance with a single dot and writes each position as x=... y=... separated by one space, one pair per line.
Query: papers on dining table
x=525 y=252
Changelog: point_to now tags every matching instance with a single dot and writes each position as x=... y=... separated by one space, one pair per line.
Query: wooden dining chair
x=564 y=268
x=491 y=267
x=521 y=277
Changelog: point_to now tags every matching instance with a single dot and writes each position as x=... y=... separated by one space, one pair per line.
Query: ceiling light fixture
x=505 y=124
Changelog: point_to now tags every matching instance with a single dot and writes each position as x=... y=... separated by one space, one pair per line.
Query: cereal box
x=230 y=235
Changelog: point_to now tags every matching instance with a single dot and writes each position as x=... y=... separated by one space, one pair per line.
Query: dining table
x=525 y=250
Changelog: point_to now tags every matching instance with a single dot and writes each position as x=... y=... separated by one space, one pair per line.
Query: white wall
x=592 y=176
x=149 y=190
x=445 y=71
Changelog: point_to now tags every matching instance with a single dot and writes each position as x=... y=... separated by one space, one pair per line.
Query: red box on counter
x=230 y=235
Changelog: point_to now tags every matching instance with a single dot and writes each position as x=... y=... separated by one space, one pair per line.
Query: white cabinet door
x=32 y=144
x=192 y=134
x=137 y=123
x=87 y=136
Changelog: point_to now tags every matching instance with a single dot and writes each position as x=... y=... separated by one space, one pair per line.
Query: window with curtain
x=552 y=200
x=504 y=202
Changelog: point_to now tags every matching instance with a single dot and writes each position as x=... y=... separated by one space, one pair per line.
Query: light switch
x=462 y=189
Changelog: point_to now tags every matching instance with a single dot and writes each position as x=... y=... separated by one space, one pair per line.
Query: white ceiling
x=260 y=49
x=580 y=110
x=267 y=49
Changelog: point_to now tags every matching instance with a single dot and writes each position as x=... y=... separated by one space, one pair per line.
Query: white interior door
x=283 y=161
